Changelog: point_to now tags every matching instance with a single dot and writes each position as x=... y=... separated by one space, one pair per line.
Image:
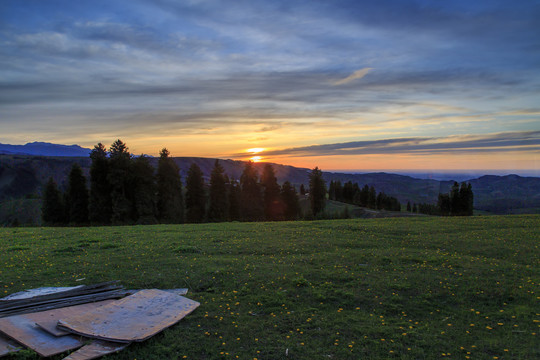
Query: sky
x=356 y=85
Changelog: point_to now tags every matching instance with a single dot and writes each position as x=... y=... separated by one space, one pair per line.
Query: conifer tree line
x=458 y=202
x=365 y=197
x=128 y=190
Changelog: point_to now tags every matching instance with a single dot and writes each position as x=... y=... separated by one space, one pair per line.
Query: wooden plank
x=23 y=330
x=47 y=320
x=133 y=318
x=78 y=290
x=8 y=346
x=59 y=303
x=32 y=293
x=96 y=349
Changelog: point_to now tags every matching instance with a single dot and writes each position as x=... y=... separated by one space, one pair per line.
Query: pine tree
x=195 y=197
x=372 y=198
x=455 y=205
x=409 y=209
x=234 y=201
x=251 y=201
x=443 y=204
x=364 y=196
x=121 y=181
x=144 y=191
x=170 y=202
x=100 y=207
x=218 y=195
x=332 y=190
x=273 y=205
x=52 y=209
x=77 y=196
x=470 y=200
x=317 y=191
x=290 y=199
x=302 y=189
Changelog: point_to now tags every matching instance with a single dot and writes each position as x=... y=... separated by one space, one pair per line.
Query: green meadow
x=404 y=288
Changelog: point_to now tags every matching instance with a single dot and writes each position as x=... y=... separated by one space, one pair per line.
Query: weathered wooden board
x=25 y=331
x=77 y=295
x=133 y=318
x=8 y=346
x=96 y=349
x=32 y=293
x=48 y=320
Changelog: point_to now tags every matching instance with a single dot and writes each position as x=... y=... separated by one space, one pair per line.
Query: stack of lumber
x=74 y=296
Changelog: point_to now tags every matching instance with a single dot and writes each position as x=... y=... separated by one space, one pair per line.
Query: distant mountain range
x=24 y=170
x=44 y=149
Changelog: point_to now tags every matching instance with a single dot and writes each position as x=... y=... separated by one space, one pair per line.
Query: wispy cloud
x=499 y=142
x=358 y=74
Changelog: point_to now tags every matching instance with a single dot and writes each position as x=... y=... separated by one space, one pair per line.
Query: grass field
x=407 y=288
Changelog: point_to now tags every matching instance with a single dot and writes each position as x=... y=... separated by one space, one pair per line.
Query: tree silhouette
x=100 y=207
x=234 y=201
x=290 y=200
x=217 y=210
x=273 y=205
x=317 y=191
x=121 y=183
x=52 y=209
x=170 y=202
x=251 y=201
x=144 y=191
x=195 y=197
x=77 y=196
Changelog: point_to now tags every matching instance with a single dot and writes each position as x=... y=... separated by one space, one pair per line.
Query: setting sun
x=255 y=158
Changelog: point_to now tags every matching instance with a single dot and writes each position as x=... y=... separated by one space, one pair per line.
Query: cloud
x=358 y=74
x=507 y=141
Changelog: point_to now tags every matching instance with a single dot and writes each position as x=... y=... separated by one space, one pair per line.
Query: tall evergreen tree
x=121 y=183
x=273 y=204
x=317 y=191
x=364 y=196
x=77 y=196
x=455 y=203
x=302 y=189
x=372 y=198
x=469 y=200
x=290 y=199
x=144 y=191
x=443 y=204
x=218 y=195
x=195 y=197
x=170 y=201
x=52 y=209
x=332 y=190
x=251 y=201
x=234 y=201
x=100 y=207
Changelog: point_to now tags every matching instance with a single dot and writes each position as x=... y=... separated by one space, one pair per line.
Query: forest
x=124 y=189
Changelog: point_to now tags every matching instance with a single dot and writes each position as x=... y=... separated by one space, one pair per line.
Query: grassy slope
x=404 y=288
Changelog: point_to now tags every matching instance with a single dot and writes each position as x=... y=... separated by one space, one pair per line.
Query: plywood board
x=24 y=330
x=8 y=346
x=96 y=349
x=133 y=318
x=48 y=320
